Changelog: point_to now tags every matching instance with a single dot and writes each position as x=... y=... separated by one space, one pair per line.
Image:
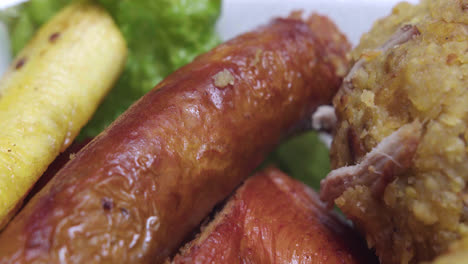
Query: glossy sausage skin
x=275 y=219
x=55 y=166
x=135 y=192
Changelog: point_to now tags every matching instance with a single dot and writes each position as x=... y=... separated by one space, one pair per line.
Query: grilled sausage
x=275 y=219
x=135 y=192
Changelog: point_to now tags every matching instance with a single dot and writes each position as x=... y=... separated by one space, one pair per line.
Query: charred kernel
x=20 y=63
x=54 y=37
x=107 y=204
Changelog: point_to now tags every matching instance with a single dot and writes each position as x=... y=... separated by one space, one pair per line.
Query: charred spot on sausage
x=107 y=204
x=124 y=211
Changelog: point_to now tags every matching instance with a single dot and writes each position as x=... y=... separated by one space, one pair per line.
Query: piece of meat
x=135 y=192
x=391 y=157
x=324 y=119
x=275 y=219
x=402 y=35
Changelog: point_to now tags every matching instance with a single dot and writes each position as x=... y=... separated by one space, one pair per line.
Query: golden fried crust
x=275 y=219
x=134 y=193
x=413 y=66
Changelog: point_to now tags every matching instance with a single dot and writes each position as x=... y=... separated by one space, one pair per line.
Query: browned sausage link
x=275 y=219
x=134 y=193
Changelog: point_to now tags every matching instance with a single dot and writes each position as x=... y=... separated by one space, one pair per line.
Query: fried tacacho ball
x=400 y=149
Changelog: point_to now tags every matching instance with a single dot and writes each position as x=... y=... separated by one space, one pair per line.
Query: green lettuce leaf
x=304 y=157
x=162 y=35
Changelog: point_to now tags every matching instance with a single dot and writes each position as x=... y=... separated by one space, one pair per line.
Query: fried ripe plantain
x=50 y=92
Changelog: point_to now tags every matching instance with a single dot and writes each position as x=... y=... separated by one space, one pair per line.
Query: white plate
x=353 y=17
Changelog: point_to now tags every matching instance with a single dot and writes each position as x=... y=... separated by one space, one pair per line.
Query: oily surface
x=275 y=219
x=424 y=78
x=134 y=193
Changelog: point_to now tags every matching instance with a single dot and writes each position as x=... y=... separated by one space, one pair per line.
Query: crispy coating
x=412 y=66
x=275 y=219
x=135 y=192
x=456 y=254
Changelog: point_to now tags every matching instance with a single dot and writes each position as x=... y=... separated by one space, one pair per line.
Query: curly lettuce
x=162 y=35
x=304 y=157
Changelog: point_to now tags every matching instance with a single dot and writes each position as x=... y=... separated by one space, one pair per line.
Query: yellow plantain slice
x=49 y=93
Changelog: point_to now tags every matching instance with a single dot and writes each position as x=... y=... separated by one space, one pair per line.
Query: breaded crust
x=421 y=77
